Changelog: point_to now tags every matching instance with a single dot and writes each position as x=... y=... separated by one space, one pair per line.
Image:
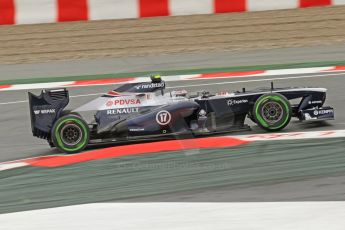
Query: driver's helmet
x=156 y=78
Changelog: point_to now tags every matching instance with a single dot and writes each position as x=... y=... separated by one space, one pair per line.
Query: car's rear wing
x=45 y=109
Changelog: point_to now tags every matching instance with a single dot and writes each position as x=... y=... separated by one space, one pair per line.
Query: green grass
x=173 y=72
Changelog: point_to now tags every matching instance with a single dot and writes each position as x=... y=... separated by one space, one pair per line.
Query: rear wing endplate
x=45 y=109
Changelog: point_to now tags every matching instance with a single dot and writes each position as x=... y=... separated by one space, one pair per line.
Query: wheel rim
x=272 y=112
x=71 y=134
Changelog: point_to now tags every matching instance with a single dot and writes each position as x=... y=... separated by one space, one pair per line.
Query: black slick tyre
x=70 y=134
x=272 y=112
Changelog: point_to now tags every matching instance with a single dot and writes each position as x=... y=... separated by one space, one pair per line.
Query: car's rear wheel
x=70 y=134
x=272 y=112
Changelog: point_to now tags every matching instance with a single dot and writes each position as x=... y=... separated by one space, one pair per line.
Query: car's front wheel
x=272 y=112
x=70 y=134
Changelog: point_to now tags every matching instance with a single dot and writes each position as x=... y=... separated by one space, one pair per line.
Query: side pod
x=45 y=109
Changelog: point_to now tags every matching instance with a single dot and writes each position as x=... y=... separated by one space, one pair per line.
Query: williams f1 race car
x=146 y=111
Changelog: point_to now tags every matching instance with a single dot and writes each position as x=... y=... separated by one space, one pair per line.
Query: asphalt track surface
x=312 y=174
x=173 y=62
x=275 y=171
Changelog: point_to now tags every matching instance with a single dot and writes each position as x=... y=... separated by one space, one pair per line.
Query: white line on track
x=12 y=102
x=83 y=95
x=259 y=80
x=205 y=84
x=7 y=166
x=87 y=95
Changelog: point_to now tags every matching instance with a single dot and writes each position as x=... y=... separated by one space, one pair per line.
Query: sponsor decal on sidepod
x=136 y=129
x=314 y=102
x=236 y=102
x=122 y=111
x=123 y=102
